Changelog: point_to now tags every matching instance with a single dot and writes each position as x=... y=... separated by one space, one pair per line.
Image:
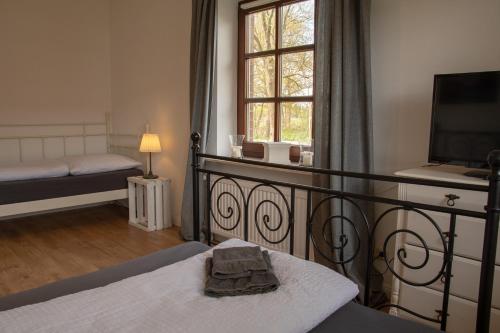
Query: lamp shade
x=150 y=143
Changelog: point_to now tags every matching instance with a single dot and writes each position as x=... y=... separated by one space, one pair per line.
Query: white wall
x=150 y=43
x=54 y=61
x=412 y=41
x=74 y=60
x=227 y=69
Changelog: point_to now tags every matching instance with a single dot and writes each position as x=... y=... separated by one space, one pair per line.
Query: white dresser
x=467 y=249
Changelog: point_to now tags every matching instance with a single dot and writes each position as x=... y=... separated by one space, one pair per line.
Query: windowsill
x=260 y=171
x=292 y=176
x=259 y=166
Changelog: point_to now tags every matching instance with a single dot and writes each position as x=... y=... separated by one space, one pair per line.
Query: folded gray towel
x=258 y=282
x=237 y=262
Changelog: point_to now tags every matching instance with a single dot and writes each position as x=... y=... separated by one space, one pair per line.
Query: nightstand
x=149 y=203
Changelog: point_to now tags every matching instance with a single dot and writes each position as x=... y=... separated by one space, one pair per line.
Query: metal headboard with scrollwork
x=242 y=214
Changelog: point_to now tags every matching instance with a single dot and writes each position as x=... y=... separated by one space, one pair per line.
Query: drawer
x=466 y=272
x=469 y=231
x=462 y=318
x=469 y=200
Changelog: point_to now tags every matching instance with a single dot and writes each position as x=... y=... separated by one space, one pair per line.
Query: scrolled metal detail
x=402 y=308
x=401 y=252
x=342 y=238
x=266 y=219
x=230 y=210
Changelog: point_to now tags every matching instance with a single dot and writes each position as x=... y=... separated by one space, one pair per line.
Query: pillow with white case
x=88 y=164
x=34 y=170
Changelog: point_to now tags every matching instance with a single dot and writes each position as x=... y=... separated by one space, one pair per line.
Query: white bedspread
x=171 y=299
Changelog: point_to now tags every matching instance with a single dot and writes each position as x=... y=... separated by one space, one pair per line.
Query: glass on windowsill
x=236 y=142
x=306 y=155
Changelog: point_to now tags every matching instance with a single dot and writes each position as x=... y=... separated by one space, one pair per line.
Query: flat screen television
x=465 y=124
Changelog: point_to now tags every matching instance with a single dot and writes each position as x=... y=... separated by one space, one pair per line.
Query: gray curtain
x=202 y=93
x=343 y=125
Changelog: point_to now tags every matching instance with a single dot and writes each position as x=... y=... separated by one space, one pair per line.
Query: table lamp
x=150 y=143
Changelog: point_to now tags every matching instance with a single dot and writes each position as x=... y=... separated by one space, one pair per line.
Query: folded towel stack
x=239 y=271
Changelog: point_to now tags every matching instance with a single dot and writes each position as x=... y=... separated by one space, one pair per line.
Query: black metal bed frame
x=491 y=217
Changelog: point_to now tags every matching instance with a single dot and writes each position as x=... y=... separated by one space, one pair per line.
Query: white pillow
x=87 y=164
x=34 y=170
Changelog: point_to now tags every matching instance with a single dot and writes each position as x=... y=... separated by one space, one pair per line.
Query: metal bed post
x=207 y=209
x=195 y=164
x=489 y=245
x=447 y=273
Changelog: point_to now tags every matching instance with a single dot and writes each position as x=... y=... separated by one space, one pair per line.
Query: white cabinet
x=149 y=203
x=462 y=312
x=467 y=251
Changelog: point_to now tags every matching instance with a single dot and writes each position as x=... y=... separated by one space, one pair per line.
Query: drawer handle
x=443 y=278
x=451 y=199
x=440 y=314
x=447 y=234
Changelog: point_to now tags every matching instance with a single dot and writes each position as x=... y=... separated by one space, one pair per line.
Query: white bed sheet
x=171 y=299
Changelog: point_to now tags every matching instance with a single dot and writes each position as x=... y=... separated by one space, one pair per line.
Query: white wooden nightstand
x=149 y=203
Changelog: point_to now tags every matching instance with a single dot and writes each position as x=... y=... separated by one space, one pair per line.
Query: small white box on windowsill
x=277 y=152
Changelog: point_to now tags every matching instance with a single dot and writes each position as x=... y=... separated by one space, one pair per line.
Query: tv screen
x=465 y=118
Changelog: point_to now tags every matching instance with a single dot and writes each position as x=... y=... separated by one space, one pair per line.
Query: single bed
x=35 y=172
x=345 y=320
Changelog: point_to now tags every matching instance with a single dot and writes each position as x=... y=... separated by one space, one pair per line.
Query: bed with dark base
x=345 y=320
x=28 y=185
x=352 y=317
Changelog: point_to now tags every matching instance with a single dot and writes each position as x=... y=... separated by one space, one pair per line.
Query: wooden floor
x=45 y=248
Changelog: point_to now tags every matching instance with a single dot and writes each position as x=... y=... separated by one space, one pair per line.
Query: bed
x=345 y=320
x=352 y=316
x=36 y=160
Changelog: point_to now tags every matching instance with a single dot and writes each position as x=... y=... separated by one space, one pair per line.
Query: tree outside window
x=276 y=72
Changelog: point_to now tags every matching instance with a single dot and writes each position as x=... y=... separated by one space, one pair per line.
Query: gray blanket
x=237 y=262
x=258 y=282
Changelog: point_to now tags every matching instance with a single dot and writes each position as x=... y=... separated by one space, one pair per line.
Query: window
x=276 y=74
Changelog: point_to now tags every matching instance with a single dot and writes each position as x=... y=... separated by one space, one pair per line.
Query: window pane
x=296 y=122
x=261 y=31
x=260 y=77
x=297 y=74
x=260 y=122
x=297 y=24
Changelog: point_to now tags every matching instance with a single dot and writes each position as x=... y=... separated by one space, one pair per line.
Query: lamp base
x=150 y=175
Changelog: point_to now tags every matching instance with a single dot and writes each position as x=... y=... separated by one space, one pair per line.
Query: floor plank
x=41 y=249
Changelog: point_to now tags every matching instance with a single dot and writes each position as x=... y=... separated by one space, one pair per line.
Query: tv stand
x=447 y=172
x=477 y=174
x=466 y=252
